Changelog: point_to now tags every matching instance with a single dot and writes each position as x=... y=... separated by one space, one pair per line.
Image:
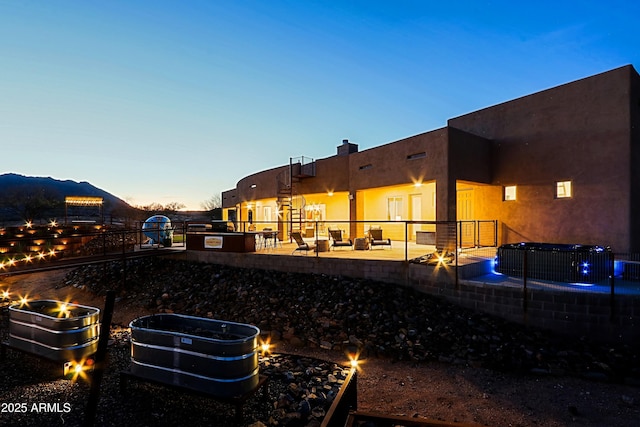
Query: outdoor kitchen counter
x=221 y=242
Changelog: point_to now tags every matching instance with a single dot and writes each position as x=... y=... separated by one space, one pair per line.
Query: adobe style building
x=561 y=165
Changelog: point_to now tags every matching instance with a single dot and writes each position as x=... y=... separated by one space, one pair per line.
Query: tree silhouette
x=29 y=204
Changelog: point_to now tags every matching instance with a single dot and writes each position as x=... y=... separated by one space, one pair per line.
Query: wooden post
x=524 y=280
x=100 y=364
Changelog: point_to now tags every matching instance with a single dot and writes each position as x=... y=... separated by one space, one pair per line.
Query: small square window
x=417 y=156
x=510 y=192
x=563 y=189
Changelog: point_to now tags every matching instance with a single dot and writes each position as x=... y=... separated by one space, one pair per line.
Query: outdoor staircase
x=288 y=200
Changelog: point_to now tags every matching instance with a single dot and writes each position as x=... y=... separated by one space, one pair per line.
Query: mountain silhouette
x=16 y=191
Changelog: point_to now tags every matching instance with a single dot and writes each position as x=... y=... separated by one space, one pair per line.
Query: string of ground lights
x=29 y=243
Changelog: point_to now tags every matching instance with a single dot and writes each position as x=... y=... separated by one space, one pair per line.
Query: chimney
x=347 y=148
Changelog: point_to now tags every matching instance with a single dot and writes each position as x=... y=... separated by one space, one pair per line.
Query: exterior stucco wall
x=634 y=159
x=266 y=184
x=332 y=174
x=470 y=157
x=578 y=132
x=229 y=198
x=391 y=164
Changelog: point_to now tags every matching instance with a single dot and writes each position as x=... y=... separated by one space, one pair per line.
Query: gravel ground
x=443 y=386
x=299 y=391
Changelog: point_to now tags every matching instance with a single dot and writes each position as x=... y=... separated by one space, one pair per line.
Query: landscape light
x=354 y=360
x=5 y=294
x=76 y=370
x=265 y=347
x=64 y=310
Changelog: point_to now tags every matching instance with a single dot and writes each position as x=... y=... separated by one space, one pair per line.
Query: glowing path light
x=266 y=347
x=354 y=360
x=76 y=370
x=63 y=310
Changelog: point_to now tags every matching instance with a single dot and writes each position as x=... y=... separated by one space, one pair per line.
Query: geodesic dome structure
x=158 y=229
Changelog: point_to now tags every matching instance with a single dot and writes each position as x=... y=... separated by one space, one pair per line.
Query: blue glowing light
x=585 y=268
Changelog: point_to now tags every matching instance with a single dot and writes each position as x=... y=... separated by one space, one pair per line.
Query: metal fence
x=411 y=237
x=594 y=270
x=29 y=248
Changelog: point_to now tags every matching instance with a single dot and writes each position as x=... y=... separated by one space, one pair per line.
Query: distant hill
x=17 y=191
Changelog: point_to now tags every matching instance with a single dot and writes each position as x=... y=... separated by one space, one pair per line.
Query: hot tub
x=54 y=330
x=205 y=355
x=556 y=262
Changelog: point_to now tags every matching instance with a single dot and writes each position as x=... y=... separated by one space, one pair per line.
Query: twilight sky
x=175 y=101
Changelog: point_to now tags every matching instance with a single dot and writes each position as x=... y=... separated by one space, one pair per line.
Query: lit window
x=563 y=189
x=510 y=192
x=395 y=208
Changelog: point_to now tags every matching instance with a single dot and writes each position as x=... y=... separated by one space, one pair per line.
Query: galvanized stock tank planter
x=54 y=330
x=205 y=355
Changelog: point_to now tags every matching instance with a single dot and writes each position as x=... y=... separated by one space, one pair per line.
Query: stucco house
x=561 y=165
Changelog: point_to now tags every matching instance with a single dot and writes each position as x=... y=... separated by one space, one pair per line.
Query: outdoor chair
x=338 y=242
x=269 y=238
x=302 y=245
x=376 y=239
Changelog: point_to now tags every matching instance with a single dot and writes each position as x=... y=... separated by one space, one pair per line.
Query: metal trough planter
x=54 y=330
x=211 y=356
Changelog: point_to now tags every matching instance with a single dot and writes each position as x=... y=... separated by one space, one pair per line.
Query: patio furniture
x=269 y=238
x=425 y=237
x=322 y=245
x=302 y=245
x=376 y=239
x=361 y=244
x=338 y=242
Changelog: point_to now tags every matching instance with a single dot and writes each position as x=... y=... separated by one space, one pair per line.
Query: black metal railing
x=30 y=248
x=450 y=236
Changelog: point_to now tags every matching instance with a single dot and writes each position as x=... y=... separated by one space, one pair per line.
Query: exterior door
x=464 y=210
